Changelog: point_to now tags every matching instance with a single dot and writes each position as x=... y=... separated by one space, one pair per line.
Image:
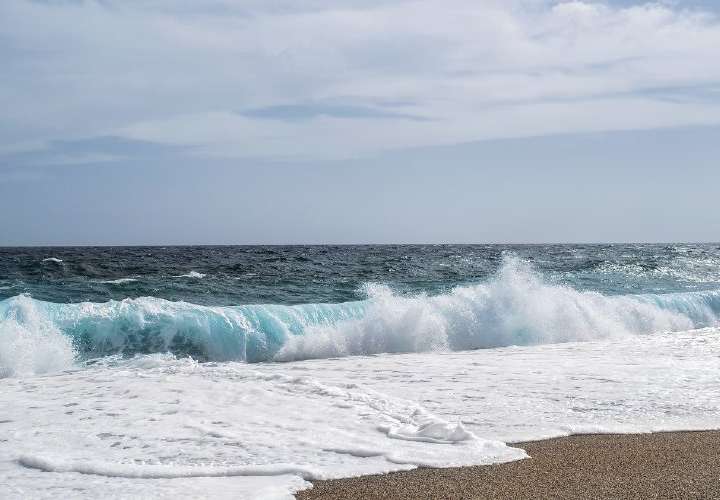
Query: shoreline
x=680 y=464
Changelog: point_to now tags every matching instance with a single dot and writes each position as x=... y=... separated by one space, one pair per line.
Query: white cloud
x=178 y=72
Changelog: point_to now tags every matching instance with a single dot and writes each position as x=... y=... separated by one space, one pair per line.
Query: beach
x=359 y=249
x=662 y=465
x=154 y=372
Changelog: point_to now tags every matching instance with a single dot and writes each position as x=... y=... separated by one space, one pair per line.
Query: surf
x=516 y=307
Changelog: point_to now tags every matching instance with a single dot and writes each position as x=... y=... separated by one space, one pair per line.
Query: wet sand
x=680 y=465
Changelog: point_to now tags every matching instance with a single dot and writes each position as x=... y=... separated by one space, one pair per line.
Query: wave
x=516 y=307
x=53 y=259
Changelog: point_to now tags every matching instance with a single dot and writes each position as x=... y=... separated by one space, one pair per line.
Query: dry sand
x=678 y=465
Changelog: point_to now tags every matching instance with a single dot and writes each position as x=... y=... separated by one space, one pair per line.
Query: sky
x=358 y=121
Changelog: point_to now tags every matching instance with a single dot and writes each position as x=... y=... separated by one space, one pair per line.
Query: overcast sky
x=352 y=121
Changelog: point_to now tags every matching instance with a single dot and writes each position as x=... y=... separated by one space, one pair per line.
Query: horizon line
x=180 y=245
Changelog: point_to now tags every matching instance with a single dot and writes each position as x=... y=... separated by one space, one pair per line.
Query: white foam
x=162 y=427
x=30 y=344
x=52 y=259
x=174 y=419
x=119 y=281
x=430 y=430
x=192 y=274
x=133 y=471
x=515 y=308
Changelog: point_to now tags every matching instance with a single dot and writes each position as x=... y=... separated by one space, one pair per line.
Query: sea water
x=245 y=372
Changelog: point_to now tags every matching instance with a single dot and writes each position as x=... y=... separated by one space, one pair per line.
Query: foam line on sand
x=662 y=465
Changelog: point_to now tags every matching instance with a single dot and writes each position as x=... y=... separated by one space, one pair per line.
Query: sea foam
x=119 y=281
x=30 y=343
x=192 y=274
x=144 y=426
x=515 y=308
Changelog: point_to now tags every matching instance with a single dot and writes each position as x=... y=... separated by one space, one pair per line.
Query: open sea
x=245 y=372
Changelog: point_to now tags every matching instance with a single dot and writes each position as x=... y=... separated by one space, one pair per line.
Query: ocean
x=246 y=371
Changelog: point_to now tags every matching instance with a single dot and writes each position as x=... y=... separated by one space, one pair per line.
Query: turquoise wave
x=146 y=325
x=515 y=308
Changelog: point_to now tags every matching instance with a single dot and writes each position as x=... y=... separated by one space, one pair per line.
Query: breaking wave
x=30 y=343
x=516 y=307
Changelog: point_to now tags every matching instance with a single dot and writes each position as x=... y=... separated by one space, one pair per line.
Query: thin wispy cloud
x=308 y=80
x=308 y=111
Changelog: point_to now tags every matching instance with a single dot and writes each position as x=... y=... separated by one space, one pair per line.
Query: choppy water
x=314 y=274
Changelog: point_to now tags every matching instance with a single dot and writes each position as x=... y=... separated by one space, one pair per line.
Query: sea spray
x=29 y=341
x=515 y=308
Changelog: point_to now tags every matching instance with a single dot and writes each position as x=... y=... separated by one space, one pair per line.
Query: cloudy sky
x=281 y=121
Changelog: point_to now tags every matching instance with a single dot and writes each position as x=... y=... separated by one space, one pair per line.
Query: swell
x=516 y=307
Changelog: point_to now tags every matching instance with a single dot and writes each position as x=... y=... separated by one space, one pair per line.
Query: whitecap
x=119 y=281
x=192 y=274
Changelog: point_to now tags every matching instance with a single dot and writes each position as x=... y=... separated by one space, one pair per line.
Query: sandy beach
x=663 y=465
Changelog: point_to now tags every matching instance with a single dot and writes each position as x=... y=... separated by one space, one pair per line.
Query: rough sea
x=244 y=372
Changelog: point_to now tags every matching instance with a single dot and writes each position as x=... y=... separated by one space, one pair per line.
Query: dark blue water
x=234 y=275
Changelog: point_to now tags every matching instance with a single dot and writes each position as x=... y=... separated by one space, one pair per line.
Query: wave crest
x=517 y=307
